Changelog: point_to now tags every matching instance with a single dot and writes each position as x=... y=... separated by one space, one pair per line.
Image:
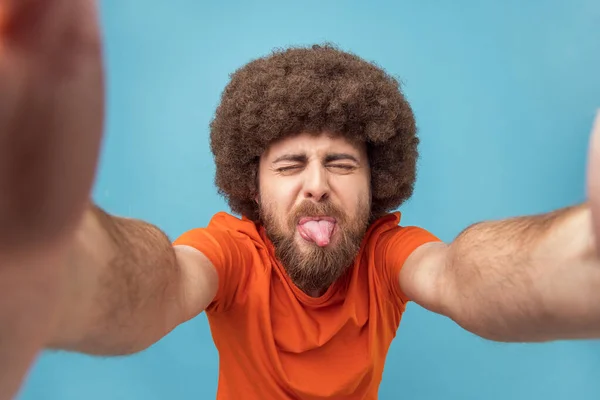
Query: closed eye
x=288 y=168
x=344 y=167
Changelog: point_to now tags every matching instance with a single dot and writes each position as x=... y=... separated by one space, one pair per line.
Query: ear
x=257 y=182
x=593 y=177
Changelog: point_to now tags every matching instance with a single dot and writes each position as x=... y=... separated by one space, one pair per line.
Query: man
x=305 y=291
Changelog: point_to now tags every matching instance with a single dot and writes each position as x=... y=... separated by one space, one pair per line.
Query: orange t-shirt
x=274 y=341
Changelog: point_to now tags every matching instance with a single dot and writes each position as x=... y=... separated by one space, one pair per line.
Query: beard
x=313 y=269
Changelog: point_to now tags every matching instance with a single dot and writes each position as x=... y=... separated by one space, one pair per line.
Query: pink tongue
x=318 y=231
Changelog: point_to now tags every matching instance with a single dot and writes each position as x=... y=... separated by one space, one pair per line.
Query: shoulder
x=232 y=246
x=392 y=246
x=387 y=233
x=222 y=224
x=225 y=221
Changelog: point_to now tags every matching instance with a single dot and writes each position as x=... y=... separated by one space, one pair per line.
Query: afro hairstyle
x=313 y=89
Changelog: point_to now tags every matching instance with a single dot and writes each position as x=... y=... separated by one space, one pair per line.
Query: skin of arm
x=523 y=279
x=127 y=287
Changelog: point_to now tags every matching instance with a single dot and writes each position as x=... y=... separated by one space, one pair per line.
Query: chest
x=335 y=345
x=348 y=330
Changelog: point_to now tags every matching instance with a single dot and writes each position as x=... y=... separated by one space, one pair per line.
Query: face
x=315 y=205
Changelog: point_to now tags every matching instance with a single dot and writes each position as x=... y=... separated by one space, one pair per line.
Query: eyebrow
x=328 y=158
x=291 y=158
x=340 y=157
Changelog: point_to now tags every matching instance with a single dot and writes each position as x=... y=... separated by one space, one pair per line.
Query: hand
x=593 y=183
x=51 y=112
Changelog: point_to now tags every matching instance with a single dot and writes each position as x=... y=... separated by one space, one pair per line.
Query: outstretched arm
x=127 y=287
x=531 y=278
x=534 y=278
x=72 y=277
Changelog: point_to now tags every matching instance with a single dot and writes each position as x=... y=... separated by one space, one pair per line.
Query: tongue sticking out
x=317 y=231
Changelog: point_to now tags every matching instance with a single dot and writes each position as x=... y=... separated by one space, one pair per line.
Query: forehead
x=314 y=144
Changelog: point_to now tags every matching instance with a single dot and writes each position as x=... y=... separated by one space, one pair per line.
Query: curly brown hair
x=313 y=89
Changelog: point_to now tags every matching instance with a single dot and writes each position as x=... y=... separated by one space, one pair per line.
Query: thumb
x=47 y=26
x=593 y=177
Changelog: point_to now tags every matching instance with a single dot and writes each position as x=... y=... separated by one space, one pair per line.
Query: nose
x=316 y=185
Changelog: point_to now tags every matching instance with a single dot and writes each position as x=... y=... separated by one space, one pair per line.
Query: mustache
x=311 y=209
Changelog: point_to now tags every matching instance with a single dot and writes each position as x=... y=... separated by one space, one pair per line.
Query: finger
x=593 y=177
x=51 y=115
x=46 y=26
x=25 y=20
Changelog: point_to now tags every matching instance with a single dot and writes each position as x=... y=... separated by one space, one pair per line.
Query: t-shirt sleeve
x=231 y=254
x=394 y=248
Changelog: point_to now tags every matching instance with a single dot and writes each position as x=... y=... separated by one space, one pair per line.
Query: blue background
x=504 y=93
